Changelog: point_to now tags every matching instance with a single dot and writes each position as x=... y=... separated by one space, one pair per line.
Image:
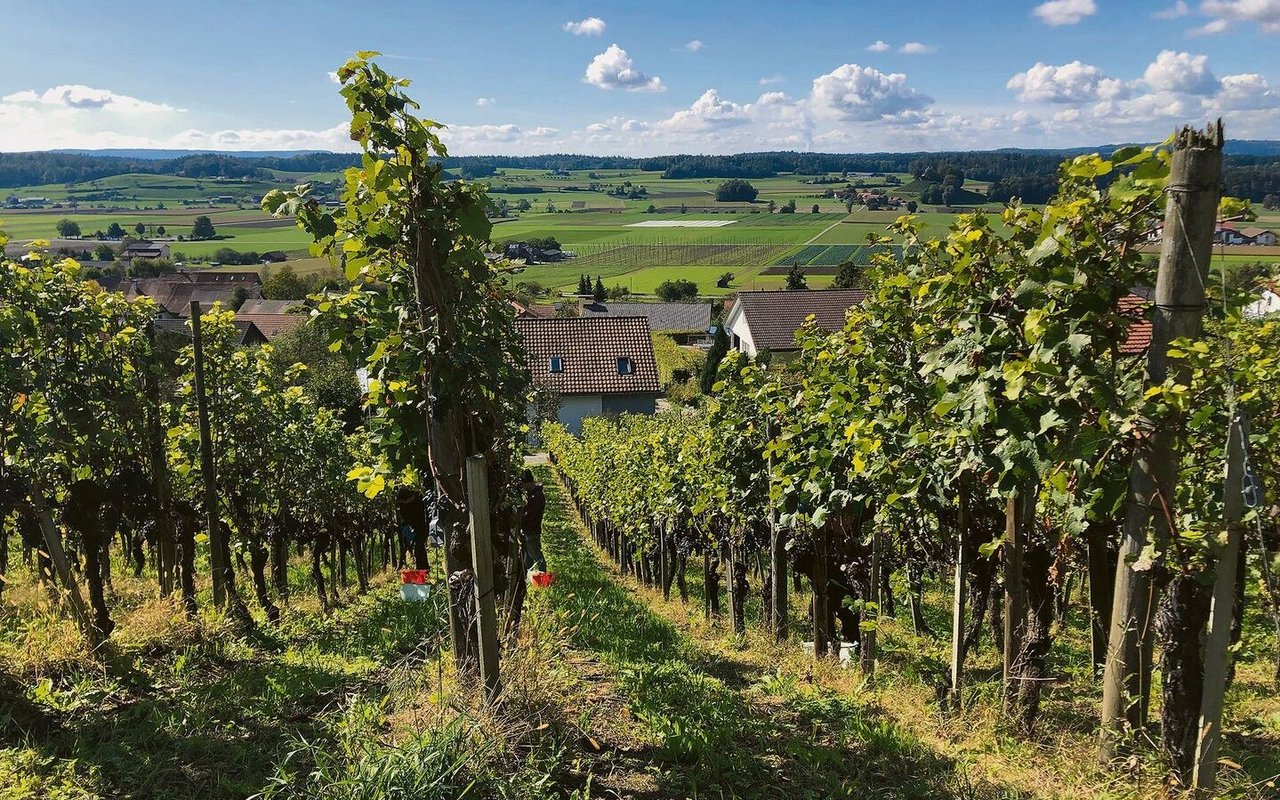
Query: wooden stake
x=1194 y=188
x=482 y=564
x=957 y=604
x=159 y=474
x=1217 y=646
x=216 y=554
x=1015 y=598
x=867 y=658
x=53 y=546
x=777 y=569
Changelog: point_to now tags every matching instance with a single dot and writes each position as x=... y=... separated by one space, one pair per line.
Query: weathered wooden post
x=1194 y=189
x=217 y=556
x=777 y=567
x=53 y=546
x=958 y=600
x=159 y=473
x=482 y=565
x=1217 y=655
x=1016 y=518
x=867 y=656
x=821 y=609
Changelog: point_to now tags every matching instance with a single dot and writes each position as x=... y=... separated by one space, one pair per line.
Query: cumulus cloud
x=769 y=80
x=694 y=46
x=857 y=93
x=1075 y=82
x=1065 y=12
x=1263 y=13
x=707 y=112
x=1181 y=72
x=591 y=26
x=85 y=98
x=917 y=48
x=879 y=46
x=1247 y=92
x=1175 y=11
x=484 y=102
x=613 y=69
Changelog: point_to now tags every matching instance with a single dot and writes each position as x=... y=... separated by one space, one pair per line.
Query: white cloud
x=770 y=80
x=1247 y=92
x=1181 y=72
x=1263 y=13
x=917 y=48
x=485 y=102
x=854 y=92
x=707 y=112
x=333 y=77
x=85 y=98
x=613 y=69
x=694 y=46
x=1075 y=82
x=591 y=26
x=879 y=46
x=1065 y=12
x=1175 y=11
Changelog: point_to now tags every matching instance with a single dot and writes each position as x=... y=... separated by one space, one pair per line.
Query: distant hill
x=161 y=155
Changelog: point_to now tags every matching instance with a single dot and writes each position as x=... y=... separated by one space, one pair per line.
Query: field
x=688 y=235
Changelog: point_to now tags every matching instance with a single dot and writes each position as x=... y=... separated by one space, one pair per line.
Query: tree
x=103 y=252
x=847 y=276
x=912 y=206
x=848 y=204
x=140 y=229
x=68 y=229
x=684 y=209
x=160 y=230
x=796 y=279
x=1271 y=202
x=773 y=206
x=652 y=209
x=814 y=210
x=599 y=293
x=523 y=205
x=724 y=280
x=1235 y=208
x=283 y=283
x=202 y=228
x=790 y=207
x=584 y=286
x=736 y=190
x=719 y=348
x=948 y=194
x=678 y=290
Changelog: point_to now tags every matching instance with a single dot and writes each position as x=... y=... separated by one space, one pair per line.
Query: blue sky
x=643 y=77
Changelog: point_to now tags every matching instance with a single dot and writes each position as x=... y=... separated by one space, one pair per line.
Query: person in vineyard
x=535 y=505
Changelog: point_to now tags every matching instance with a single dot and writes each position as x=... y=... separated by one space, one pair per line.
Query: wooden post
x=1102 y=572
x=159 y=474
x=1194 y=189
x=1015 y=598
x=53 y=546
x=867 y=658
x=1217 y=656
x=777 y=568
x=958 y=600
x=207 y=476
x=821 y=612
x=482 y=564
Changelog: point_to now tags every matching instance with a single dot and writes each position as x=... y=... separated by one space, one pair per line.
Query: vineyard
x=780 y=592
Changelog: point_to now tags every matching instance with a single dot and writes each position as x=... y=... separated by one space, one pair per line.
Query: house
x=594 y=365
x=1268 y=302
x=274 y=326
x=534 y=310
x=260 y=306
x=1259 y=236
x=273 y=257
x=174 y=292
x=687 y=323
x=144 y=249
x=226 y=277
x=249 y=333
x=768 y=320
x=1226 y=233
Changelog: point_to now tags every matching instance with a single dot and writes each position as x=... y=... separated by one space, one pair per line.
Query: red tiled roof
x=774 y=316
x=273 y=325
x=1139 y=335
x=589 y=349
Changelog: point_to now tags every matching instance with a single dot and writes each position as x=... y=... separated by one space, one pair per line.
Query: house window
x=556 y=365
x=625 y=367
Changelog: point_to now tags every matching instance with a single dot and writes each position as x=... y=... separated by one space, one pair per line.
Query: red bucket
x=543 y=579
x=414 y=576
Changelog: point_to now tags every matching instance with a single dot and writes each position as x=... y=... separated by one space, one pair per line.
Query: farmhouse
x=144 y=249
x=273 y=326
x=249 y=333
x=768 y=320
x=260 y=306
x=594 y=365
x=687 y=323
x=173 y=293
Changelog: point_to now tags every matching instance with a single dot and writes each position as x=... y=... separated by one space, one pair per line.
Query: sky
x=642 y=78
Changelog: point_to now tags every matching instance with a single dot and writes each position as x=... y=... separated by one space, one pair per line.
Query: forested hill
x=1252 y=172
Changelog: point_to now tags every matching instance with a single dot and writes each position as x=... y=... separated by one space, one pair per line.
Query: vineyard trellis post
x=159 y=472
x=1194 y=189
x=777 y=565
x=958 y=601
x=216 y=553
x=53 y=545
x=482 y=565
x=1017 y=517
x=1217 y=656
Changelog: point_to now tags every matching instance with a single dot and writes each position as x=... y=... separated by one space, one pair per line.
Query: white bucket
x=415 y=592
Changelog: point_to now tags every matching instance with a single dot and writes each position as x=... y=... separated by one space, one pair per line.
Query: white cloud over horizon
x=613 y=69
x=1065 y=12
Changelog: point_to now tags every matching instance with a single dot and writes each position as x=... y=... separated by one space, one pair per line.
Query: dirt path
x=680 y=712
